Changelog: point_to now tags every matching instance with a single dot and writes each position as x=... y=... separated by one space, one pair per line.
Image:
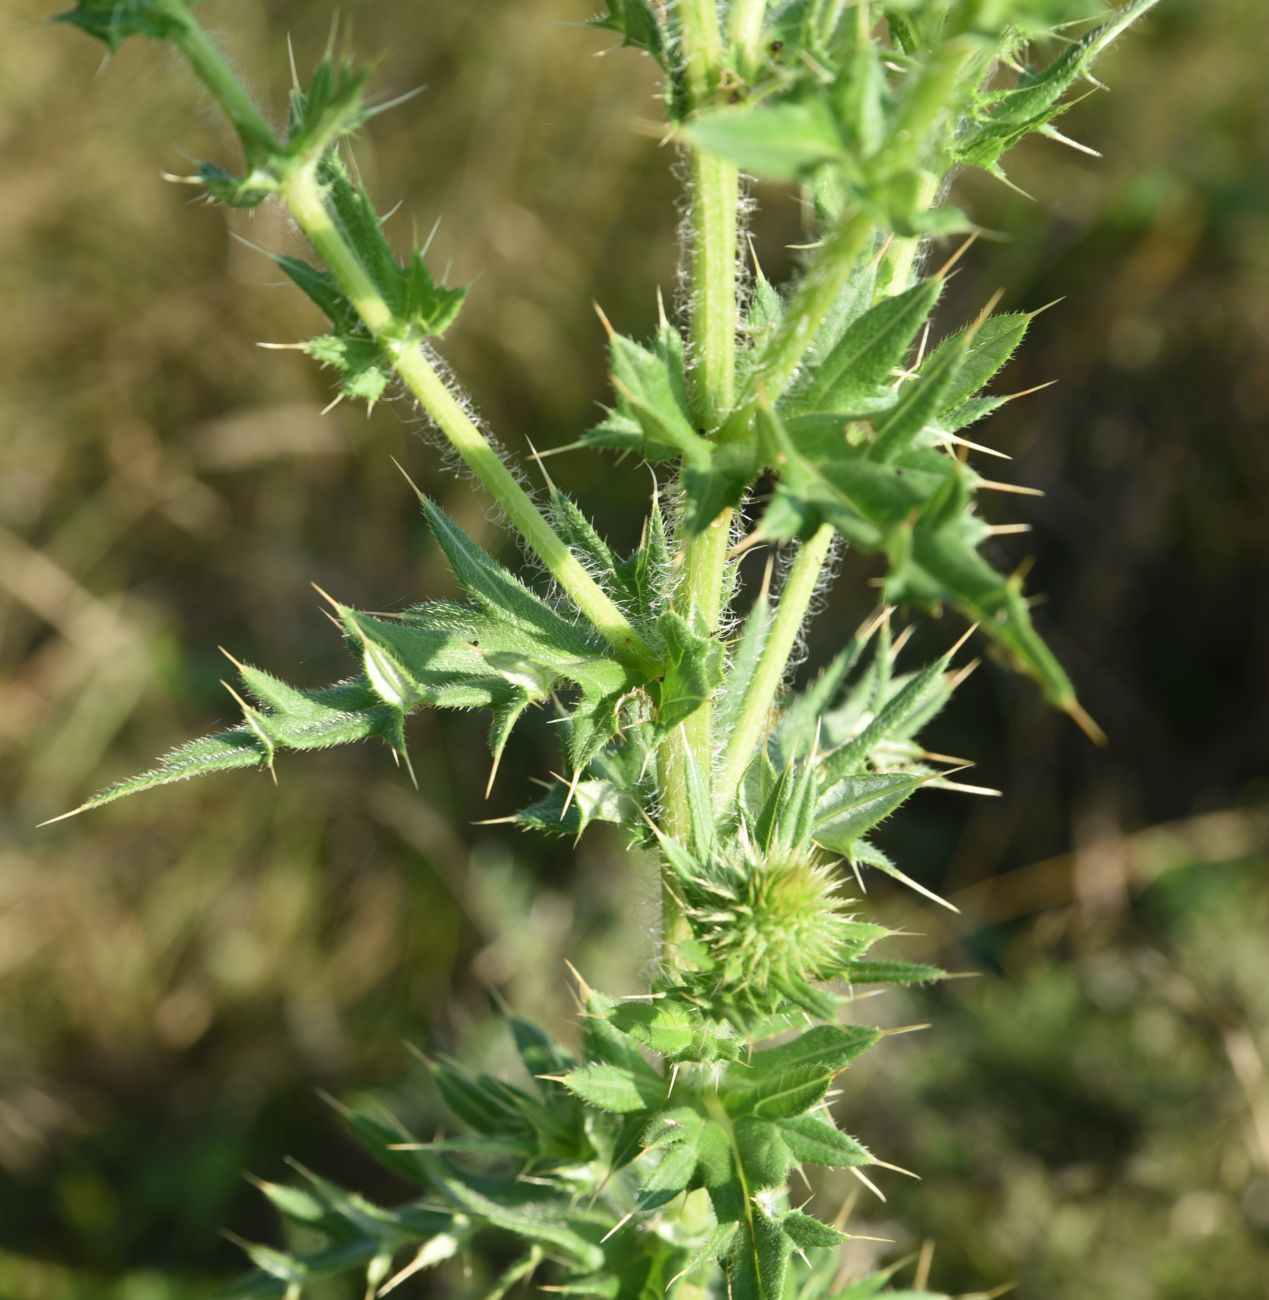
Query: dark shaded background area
x=1091 y=1115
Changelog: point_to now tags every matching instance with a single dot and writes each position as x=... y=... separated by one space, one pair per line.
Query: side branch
x=302 y=192
x=760 y=695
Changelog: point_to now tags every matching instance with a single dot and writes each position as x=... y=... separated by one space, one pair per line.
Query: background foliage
x=1092 y=1113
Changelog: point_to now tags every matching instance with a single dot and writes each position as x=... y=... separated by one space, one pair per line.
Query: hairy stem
x=760 y=694
x=258 y=141
x=303 y=194
x=715 y=199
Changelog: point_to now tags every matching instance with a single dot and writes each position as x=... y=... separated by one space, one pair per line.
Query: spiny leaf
x=503 y=1205
x=861 y=367
x=675 y=1149
x=785 y=1081
x=915 y=507
x=858 y=804
x=238 y=747
x=540 y=1053
x=568 y=809
x=759 y=1261
x=807 y=1233
x=892 y=972
x=693 y=671
x=419 y=306
x=743 y=663
x=332 y=107
x=1010 y=115
x=653 y=414
x=613 y=1088
x=815 y=1140
x=581 y=538
x=666 y=1026
x=635 y=21
x=919 y=401
x=994 y=341
x=503 y=595
x=113 y=21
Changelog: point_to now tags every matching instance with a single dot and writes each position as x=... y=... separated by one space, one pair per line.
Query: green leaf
x=113 y=21
x=807 y=1233
x=781 y=141
x=861 y=367
x=990 y=348
x=484 y=1104
x=857 y=804
x=764 y=1158
x=540 y=1053
x=653 y=414
x=693 y=671
x=814 y=1140
x=581 y=538
x=785 y=1081
x=758 y=1263
x=504 y=655
x=223 y=752
x=614 y=1088
x=892 y=972
x=635 y=21
x=501 y=594
x=784 y=823
x=332 y=107
x=428 y=309
x=420 y=307
x=502 y=1204
x=674 y=1141
x=364 y=373
x=915 y=506
x=945 y=565
x=919 y=402
x=665 y=1026
x=900 y=716
x=1009 y=115
x=803 y=721
x=744 y=662
x=568 y=809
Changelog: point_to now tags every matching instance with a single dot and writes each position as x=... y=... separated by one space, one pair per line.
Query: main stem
x=703 y=557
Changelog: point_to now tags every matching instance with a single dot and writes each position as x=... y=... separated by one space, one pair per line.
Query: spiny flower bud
x=773 y=923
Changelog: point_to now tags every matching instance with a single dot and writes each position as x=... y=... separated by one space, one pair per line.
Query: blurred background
x=181 y=974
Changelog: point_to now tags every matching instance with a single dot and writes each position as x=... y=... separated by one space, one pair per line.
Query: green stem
x=715 y=199
x=258 y=141
x=818 y=290
x=760 y=694
x=900 y=262
x=825 y=17
x=748 y=19
x=304 y=196
x=702 y=46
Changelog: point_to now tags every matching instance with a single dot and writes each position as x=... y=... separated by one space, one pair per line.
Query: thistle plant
x=654 y=1159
